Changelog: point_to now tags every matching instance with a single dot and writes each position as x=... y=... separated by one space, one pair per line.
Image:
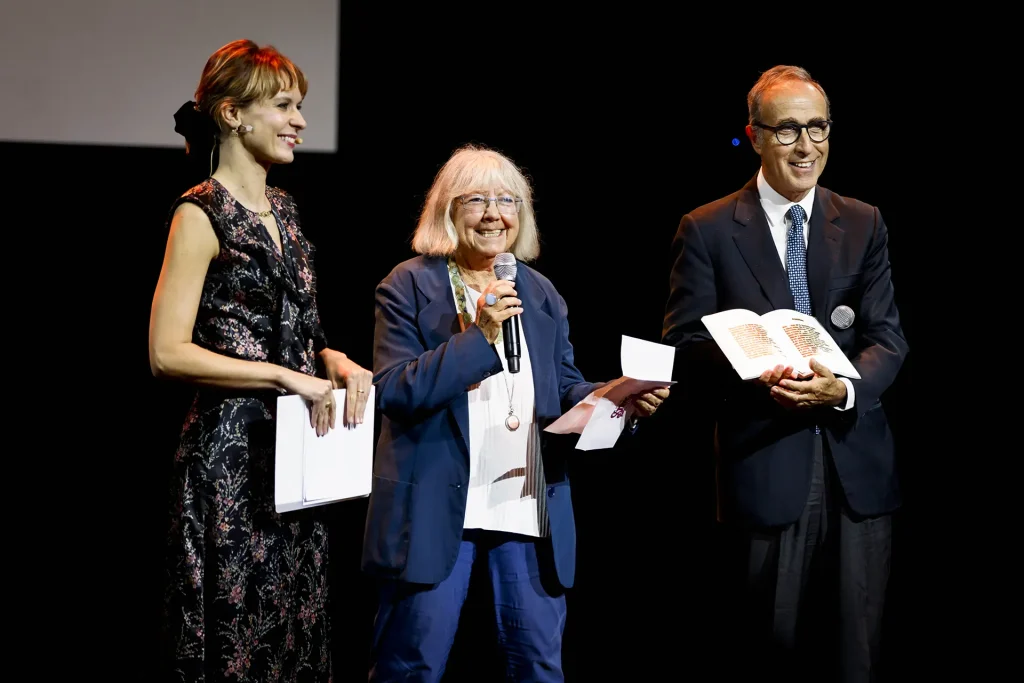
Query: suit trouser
x=415 y=625
x=829 y=568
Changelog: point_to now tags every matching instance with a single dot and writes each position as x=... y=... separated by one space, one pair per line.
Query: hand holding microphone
x=496 y=305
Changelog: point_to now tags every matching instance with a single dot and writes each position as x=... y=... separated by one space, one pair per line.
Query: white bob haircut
x=472 y=168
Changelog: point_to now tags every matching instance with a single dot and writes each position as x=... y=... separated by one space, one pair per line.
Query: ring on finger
x=490 y=299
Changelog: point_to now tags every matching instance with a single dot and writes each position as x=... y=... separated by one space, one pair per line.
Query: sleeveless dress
x=247 y=593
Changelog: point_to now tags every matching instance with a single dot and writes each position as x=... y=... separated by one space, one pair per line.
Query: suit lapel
x=438 y=320
x=539 y=329
x=754 y=240
x=823 y=244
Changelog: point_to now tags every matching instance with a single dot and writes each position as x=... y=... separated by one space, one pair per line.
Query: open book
x=754 y=343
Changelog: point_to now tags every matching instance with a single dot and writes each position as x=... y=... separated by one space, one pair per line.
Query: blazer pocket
x=388 y=521
x=844 y=281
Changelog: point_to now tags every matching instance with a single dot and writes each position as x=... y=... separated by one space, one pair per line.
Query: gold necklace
x=265 y=214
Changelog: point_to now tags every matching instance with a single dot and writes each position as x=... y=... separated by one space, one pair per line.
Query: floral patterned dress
x=247 y=591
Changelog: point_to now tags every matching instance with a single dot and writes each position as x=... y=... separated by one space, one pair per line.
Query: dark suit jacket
x=423 y=364
x=724 y=258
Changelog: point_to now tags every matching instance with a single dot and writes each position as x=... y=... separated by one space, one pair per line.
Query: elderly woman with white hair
x=461 y=474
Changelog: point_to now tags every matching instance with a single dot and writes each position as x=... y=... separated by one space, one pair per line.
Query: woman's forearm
x=189 y=362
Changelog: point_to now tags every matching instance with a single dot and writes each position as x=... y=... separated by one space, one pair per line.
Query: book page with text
x=802 y=337
x=746 y=341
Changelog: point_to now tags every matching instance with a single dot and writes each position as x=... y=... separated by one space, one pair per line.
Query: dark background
x=621 y=138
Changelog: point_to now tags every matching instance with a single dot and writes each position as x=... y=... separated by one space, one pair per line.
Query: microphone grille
x=842 y=317
x=505 y=266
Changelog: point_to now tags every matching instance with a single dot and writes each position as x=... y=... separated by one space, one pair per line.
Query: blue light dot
x=735 y=142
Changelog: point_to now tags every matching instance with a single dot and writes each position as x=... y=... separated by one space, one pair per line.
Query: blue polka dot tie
x=796 y=265
x=796 y=260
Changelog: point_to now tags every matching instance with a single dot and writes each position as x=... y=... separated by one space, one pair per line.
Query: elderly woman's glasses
x=477 y=203
x=788 y=133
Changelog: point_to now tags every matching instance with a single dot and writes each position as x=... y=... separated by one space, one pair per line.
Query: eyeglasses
x=788 y=133
x=477 y=203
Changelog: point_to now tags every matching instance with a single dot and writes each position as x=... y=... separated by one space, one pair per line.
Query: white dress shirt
x=775 y=209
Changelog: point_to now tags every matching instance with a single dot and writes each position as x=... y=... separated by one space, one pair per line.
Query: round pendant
x=512 y=422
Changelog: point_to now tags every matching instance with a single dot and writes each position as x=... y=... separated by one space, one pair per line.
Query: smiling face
x=276 y=123
x=485 y=232
x=791 y=170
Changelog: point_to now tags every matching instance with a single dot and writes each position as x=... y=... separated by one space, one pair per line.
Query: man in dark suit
x=805 y=463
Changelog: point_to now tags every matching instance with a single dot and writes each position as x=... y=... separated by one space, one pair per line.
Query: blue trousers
x=415 y=625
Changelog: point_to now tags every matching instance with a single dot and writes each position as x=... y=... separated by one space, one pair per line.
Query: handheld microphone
x=505 y=269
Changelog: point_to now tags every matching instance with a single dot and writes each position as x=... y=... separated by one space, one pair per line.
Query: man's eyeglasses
x=788 y=133
x=477 y=203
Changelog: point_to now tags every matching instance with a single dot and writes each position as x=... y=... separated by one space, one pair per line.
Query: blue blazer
x=423 y=365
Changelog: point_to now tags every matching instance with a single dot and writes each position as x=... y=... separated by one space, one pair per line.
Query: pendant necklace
x=465 y=319
x=511 y=422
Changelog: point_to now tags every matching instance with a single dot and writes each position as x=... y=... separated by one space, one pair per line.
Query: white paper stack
x=312 y=470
